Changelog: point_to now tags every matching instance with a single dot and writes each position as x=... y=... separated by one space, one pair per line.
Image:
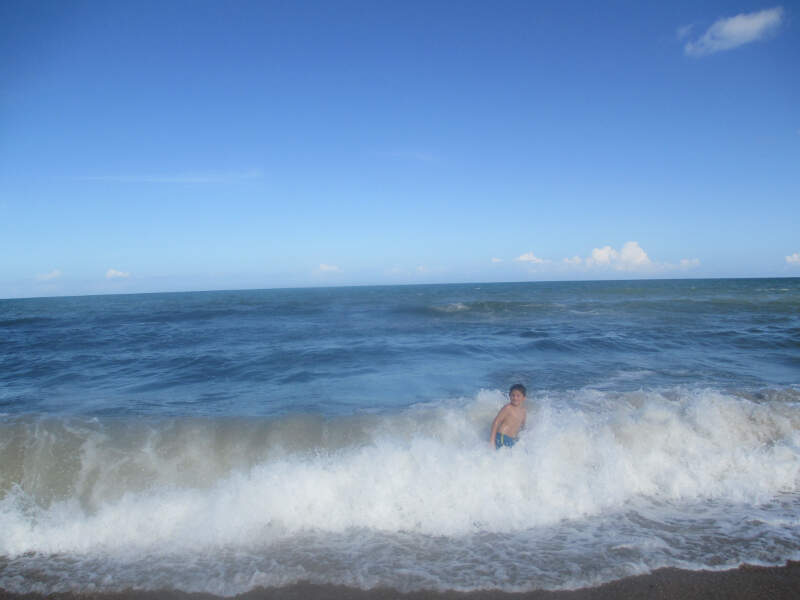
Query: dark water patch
x=551 y=345
x=467 y=310
x=299 y=377
x=25 y=322
x=307 y=376
x=535 y=334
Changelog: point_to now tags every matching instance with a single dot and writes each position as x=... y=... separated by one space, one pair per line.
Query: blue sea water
x=218 y=441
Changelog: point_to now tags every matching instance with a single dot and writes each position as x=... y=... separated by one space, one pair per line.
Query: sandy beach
x=745 y=583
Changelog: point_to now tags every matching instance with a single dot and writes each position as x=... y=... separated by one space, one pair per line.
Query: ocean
x=221 y=441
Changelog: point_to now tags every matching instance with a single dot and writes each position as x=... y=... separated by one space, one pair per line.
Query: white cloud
x=793 y=259
x=54 y=274
x=422 y=269
x=497 y=260
x=114 y=274
x=329 y=268
x=689 y=263
x=731 y=32
x=529 y=257
x=630 y=258
x=633 y=257
x=602 y=256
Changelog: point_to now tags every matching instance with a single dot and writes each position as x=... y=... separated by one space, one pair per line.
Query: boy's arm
x=495 y=424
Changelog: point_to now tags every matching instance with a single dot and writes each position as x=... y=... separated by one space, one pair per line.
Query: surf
x=68 y=483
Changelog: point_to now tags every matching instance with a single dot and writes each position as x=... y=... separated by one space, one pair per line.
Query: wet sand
x=744 y=583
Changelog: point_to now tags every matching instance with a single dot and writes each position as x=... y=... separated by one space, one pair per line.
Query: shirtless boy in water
x=510 y=419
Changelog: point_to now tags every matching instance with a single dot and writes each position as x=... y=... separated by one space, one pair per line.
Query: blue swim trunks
x=501 y=439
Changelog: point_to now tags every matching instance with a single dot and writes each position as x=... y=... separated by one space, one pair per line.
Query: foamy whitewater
x=222 y=441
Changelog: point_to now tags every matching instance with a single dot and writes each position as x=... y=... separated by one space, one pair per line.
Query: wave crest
x=71 y=485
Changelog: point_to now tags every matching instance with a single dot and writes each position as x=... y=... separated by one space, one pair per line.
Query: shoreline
x=746 y=582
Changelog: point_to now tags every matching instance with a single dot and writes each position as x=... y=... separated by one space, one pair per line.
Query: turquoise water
x=217 y=441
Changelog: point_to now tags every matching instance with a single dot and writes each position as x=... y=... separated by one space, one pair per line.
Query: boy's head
x=517 y=394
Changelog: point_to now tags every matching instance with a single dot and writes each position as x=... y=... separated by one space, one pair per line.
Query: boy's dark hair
x=520 y=387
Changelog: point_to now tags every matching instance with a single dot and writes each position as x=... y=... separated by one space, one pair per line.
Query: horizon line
x=366 y=285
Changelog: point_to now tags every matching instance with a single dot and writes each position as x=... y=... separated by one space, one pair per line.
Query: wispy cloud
x=193 y=178
x=793 y=259
x=530 y=257
x=325 y=268
x=732 y=32
x=114 y=274
x=497 y=260
x=684 y=31
x=689 y=263
x=54 y=274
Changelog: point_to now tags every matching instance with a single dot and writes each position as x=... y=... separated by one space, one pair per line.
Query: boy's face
x=516 y=397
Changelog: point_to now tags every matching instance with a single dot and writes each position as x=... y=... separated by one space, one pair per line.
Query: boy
x=510 y=419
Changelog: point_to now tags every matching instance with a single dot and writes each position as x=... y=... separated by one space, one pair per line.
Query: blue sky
x=160 y=146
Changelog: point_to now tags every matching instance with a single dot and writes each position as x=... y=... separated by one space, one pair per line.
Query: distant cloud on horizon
x=325 y=268
x=530 y=257
x=54 y=274
x=114 y=274
x=731 y=32
x=793 y=259
x=630 y=258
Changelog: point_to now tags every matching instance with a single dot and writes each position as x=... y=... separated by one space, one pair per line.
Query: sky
x=175 y=146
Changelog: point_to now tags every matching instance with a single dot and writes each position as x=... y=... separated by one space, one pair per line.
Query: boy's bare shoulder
x=507 y=410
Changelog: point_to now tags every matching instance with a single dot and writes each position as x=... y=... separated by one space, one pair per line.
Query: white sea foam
x=452 y=307
x=618 y=468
